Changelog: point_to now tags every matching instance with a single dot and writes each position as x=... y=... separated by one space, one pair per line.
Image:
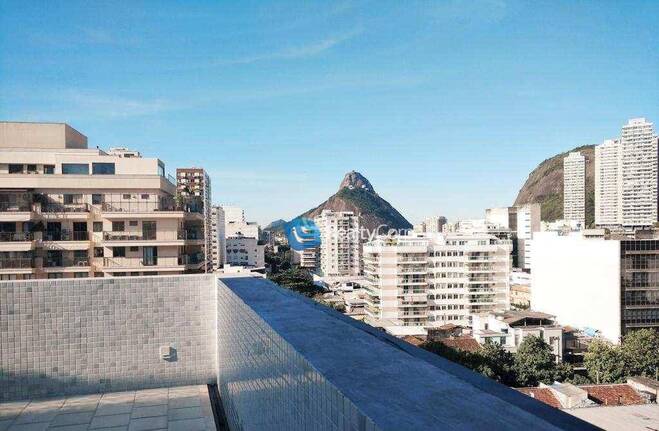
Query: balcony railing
x=16 y=263
x=190 y=234
x=64 y=208
x=16 y=236
x=15 y=207
x=66 y=236
x=129 y=262
x=130 y=206
x=128 y=236
x=190 y=259
x=66 y=262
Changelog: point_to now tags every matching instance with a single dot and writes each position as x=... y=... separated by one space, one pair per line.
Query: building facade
x=67 y=211
x=432 y=280
x=574 y=188
x=626 y=178
x=193 y=186
x=340 y=244
x=244 y=251
x=218 y=235
x=616 y=278
x=608 y=196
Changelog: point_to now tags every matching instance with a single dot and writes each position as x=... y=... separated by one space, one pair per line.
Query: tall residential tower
x=574 y=188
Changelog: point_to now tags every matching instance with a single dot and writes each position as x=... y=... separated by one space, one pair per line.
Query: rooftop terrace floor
x=183 y=408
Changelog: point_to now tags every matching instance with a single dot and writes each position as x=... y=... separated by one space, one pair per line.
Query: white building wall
x=340 y=245
x=218 y=237
x=578 y=281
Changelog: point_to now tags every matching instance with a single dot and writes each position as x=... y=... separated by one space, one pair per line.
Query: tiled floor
x=184 y=408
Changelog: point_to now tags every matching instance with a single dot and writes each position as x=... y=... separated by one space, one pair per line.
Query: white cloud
x=294 y=52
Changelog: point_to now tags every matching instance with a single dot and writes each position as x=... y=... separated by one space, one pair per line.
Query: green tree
x=534 y=362
x=604 y=362
x=640 y=352
x=297 y=279
x=496 y=363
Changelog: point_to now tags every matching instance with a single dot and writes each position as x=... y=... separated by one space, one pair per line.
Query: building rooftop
x=629 y=418
x=465 y=343
x=184 y=408
x=544 y=395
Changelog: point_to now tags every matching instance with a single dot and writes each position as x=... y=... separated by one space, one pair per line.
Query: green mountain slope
x=545 y=186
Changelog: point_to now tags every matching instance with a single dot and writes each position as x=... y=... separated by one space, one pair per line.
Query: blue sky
x=445 y=106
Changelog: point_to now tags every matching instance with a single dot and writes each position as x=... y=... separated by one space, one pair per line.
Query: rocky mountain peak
x=354 y=180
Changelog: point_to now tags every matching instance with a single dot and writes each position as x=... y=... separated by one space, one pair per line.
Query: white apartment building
x=608 y=179
x=528 y=223
x=626 y=177
x=433 y=224
x=218 y=245
x=574 y=188
x=340 y=244
x=589 y=281
x=67 y=211
x=246 y=252
x=308 y=258
x=193 y=185
x=523 y=221
x=431 y=280
x=233 y=214
x=509 y=328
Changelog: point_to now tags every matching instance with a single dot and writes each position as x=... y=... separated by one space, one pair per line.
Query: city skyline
x=281 y=100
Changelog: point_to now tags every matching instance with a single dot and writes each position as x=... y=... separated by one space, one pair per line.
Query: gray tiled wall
x=265 y=384
x=95 y=335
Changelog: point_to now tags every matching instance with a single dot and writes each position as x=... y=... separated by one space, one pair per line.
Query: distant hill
x=276 y=225
x=357 y=194
x=545 y=186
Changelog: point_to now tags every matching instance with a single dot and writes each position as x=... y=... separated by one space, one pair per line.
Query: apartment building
x=608 y=197
x=340 y=244
x=433 y=224
x=308 y=258
x=574 y=188
x=435 y=279
x=193 y=185
x=523 y=220
x=245 y=251
x=68 y=211
x=218 y=235
x=626 y=177
x=509 y=328
x=603 y=282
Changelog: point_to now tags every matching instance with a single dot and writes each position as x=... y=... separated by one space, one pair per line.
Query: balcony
x=16 y=236
x=65 y=262
x=129 y=262
x=15 y=207
x=53 y=208
x=129 y=236
x=66 y=236
x=136 y=206
x=16 y=263
x=251 y=339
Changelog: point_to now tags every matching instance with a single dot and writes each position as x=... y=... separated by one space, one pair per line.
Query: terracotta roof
x=449 y=326
x=512 y=316
x=541 y=394
x=613 y=395
x=465 y=343
x=413 y=340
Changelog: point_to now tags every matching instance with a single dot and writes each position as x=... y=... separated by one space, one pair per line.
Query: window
x=15 y=169
x=55 y=275
x=72 y=199
x=98 y=226
x=127 y=196
x=98 y=252
x=97 y=199
x=118 y=226
x=75 y=169
x=102 y=168
x=119 y=251
x=49 y=169
x=145 y=196
x=134 y=248
x=132 y=223
x=31 y=169
x=80 y=275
